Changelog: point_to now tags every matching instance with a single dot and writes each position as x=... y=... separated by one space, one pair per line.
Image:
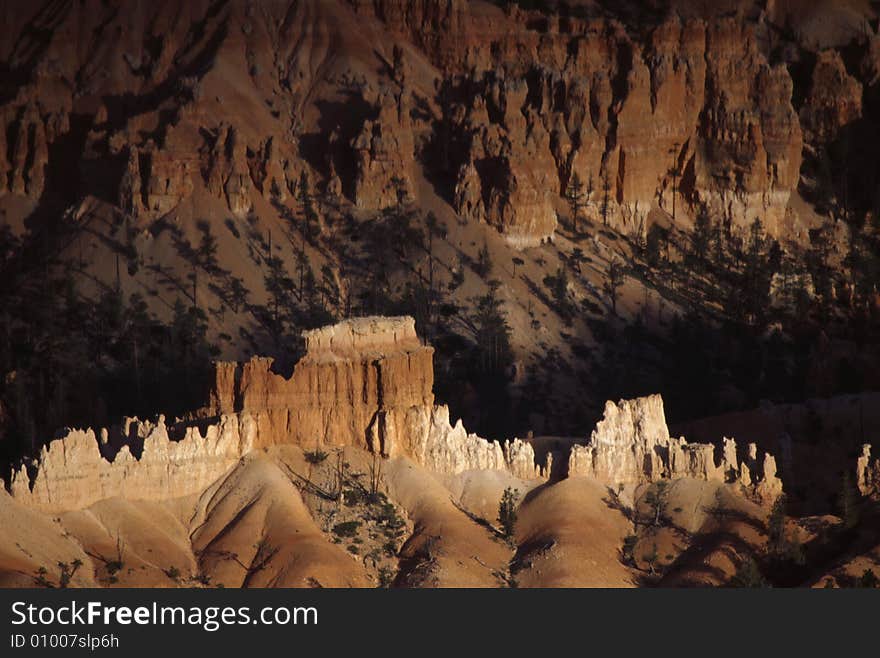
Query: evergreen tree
x=848 y=501
x=558 y=285
x=507 y=512
x=605 y=208
x=654 y=245
x=701 y=239
x=576 y=197
x=748 y=574
x=776 y=540
x=307 y=205
x=818 y=264
x=484 y=262
x=206 y=253
x=869 y=580
x=675 y=172
x=614 y=280
x=656 y=498
x=492 y=333
x=756 y=274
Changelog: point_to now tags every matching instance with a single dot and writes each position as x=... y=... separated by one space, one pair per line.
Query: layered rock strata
x=355 y=385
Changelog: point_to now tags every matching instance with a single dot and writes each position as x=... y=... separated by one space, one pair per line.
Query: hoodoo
x=365 y=383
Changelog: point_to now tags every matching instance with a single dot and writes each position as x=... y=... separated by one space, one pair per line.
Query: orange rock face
x=355 y=385
x=691 y=114
x=695 y=116
x=384 y=153
x=685 y=113
x=24 y=155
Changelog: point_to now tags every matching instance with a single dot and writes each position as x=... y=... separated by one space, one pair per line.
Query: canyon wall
x=501 y=107
x=687 y=113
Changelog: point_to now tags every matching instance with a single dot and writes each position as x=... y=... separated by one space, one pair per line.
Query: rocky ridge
x=364 y=382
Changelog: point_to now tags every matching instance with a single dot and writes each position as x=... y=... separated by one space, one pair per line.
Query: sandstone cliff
x=835 y=98
x=384 y=153
x=355 y=384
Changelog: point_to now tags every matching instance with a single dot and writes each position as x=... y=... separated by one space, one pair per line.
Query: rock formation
x=508 y=177
x=77 y=470
x=355 y=385
x=868 y=473
x=24 y=154
x=441 y=447
x=835 y=98
x=228 y=173
x=688 y=112
x=693 y=115
x=631 y=445
x=365 y=382
x=384 y=154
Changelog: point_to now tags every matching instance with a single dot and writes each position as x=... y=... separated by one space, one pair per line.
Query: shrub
x=346 y=528
x=629 y=549
x=386 y=577
x=315 y=457
x=748 y=575
x=869 y=580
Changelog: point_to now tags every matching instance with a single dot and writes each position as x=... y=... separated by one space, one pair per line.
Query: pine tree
x=492 y=332
x=749 y=575
x=701 y=239
x=847 y=501
x=484 y=262
x=654 y=245
x=869 y=580
x=575 y=195
x=818 y=263
x=776 y=540
x=605 y=209
x=560 y=293
x=507 y=512
x=613 y=282
x=756 y=274
x=675 y=172
x=656 y=498
x=307 y=205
